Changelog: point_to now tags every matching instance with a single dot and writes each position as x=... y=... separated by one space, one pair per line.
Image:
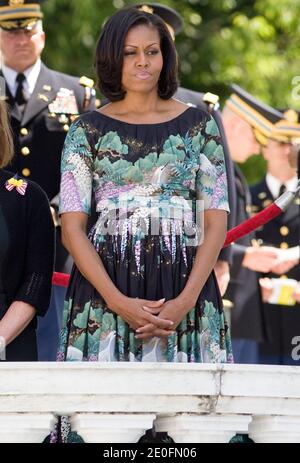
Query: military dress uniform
x=40 y=124
x=249 y=318
x=248 y=326
x=283 y=321
x=40 y=131
x=39 y=135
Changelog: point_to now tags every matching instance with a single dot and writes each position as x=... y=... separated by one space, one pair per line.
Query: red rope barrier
x=252 y=224
x=60 y=279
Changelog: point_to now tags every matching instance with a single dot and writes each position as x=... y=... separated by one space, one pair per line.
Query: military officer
x=207 y=102
x=244 y=118
x=283 y=320
x=43 y=103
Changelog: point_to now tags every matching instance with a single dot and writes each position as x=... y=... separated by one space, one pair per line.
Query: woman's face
x=143 y=59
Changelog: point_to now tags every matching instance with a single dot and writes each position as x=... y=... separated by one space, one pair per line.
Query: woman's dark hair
x=110 y=52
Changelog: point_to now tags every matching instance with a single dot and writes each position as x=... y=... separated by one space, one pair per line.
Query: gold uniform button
x=63 y=119
x=283 y=277
x=262 y=195
x=284 y=245
x=25 y=151
x=23 y=131
x=227 y=304
x=26 y=172
x=66 y=127
x=266 y=202
x=284 y=231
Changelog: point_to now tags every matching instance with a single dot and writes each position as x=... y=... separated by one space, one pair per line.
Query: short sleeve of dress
x=211 y=179
x=76 y=171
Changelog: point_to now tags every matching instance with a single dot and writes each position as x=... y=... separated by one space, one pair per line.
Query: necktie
x=20 y=98
x=282 y=189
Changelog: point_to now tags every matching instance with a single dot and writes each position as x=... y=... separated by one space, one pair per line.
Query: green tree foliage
x=254 y=43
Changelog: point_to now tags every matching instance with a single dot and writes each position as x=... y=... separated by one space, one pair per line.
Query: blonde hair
x=6 y=141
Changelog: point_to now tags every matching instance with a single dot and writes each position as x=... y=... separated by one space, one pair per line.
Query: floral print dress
x=147 y=181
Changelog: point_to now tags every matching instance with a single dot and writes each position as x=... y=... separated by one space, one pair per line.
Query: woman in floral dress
x=142 y=288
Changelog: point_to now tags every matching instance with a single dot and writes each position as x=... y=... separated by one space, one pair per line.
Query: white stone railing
x=117 y=402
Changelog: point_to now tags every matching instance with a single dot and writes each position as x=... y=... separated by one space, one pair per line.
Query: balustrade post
x=275 y=429
x=25 y=427
x=111 y=428
x=194 y=428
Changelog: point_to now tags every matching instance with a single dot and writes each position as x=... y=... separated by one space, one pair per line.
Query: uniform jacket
x=284 y=230
x=247 y=316
x=40 y=133
x=283 y=322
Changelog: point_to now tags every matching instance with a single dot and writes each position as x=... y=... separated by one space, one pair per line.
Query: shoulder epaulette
x=86 y=82
x=89 y=91
x=211 y=100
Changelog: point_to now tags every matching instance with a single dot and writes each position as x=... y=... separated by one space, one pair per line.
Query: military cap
x=20 y=14
x=259 y=115
x=173 y=19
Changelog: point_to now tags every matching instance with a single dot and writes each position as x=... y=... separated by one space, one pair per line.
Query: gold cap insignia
x=146 y=9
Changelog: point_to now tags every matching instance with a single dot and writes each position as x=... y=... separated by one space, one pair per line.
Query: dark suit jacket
x=26 y=257
x=247 y=316
x=283 y=322
x=196 y=99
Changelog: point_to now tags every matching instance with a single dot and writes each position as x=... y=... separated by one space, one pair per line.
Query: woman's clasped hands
x=151 y=318
x=174 y=310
